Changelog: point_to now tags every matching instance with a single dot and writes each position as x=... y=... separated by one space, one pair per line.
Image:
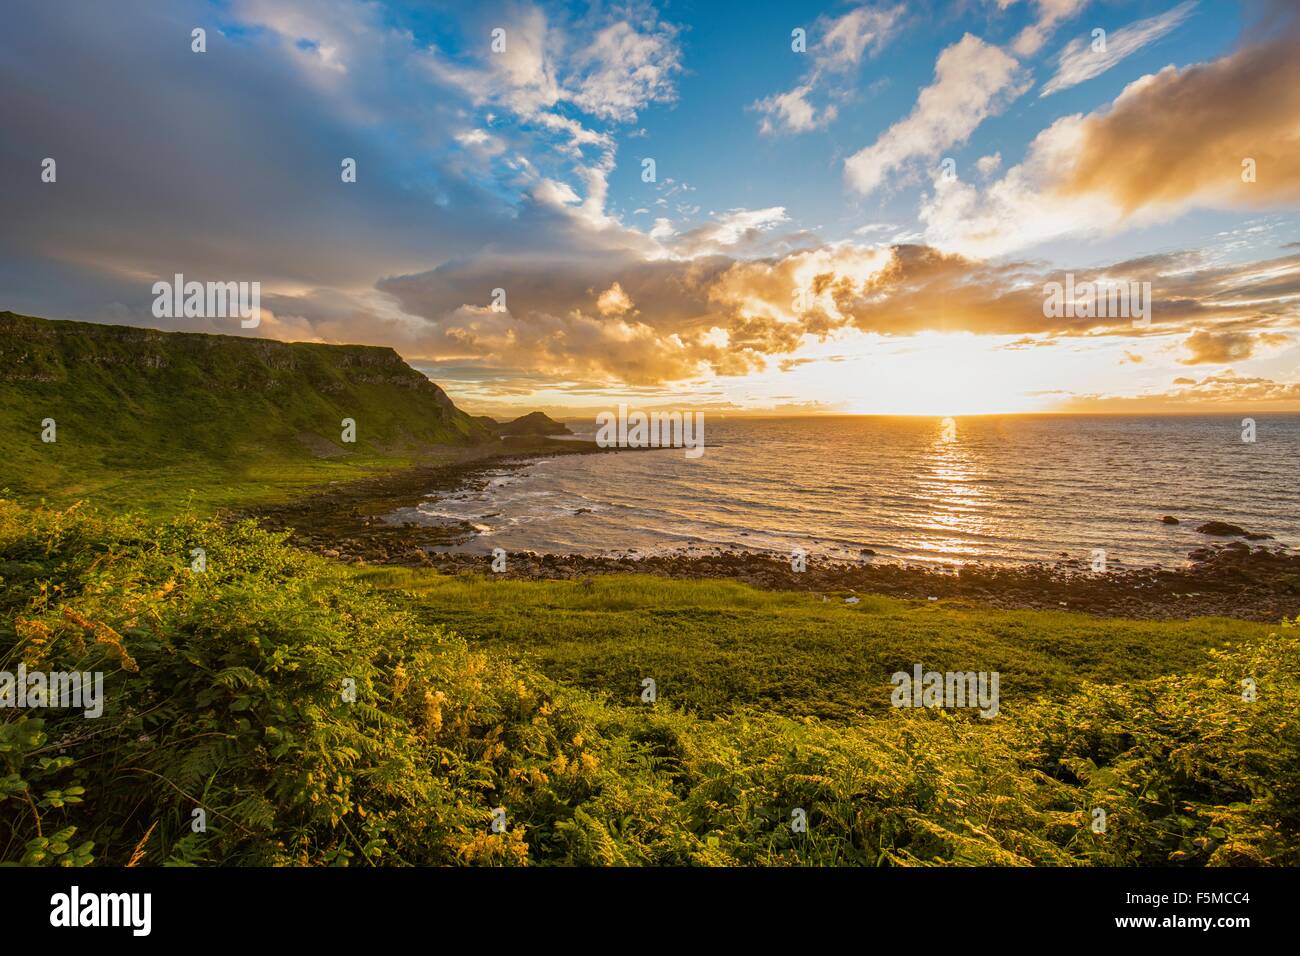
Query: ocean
x=1006 y=488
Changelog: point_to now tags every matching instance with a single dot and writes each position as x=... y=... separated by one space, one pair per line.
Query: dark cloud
x=1223 y=347
x=224 y=164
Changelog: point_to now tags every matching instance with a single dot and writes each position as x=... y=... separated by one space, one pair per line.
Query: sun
x=945 y=375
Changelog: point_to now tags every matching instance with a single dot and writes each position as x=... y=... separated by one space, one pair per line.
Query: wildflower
x=107 y=636
x=433 y=710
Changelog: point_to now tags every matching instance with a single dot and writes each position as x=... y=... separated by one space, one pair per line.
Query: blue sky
x=911 y=179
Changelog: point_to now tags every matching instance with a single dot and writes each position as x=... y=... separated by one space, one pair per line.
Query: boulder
x=1221 y=529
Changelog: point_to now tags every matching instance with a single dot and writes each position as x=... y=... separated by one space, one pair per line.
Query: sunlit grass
x=714 y=646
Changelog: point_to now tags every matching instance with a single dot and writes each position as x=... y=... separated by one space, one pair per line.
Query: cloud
x=1227 y=390
x=478 y=173
x=625 y=68
x=988 y=165
x=1170 y=142
x=843 y=43
x=614 y=301
x=1223 y=347
x=972 y=80
x=625 y=61
x=791 y=112
x=1079 y=62
x=147 y=186
x=1051 y=13
x=729 y=232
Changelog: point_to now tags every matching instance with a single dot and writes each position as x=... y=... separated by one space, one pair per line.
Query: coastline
x=349 y=518
x=351 y=522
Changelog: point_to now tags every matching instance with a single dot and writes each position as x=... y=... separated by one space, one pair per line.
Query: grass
x=715 y=646
x=226 y=694
x=165 y=421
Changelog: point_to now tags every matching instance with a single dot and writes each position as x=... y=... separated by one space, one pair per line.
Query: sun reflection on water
x=954 y=520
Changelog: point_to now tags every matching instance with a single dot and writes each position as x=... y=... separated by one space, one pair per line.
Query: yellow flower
x=110 y=638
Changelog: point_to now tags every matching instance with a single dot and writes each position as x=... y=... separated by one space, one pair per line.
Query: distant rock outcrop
x=1222 y=529
x=534 y=423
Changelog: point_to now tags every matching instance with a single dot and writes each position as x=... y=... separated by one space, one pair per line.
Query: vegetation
x=227 y=693
x=164 y=420
x=714 y=645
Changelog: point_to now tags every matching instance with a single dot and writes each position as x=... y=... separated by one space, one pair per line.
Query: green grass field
x=714 y=646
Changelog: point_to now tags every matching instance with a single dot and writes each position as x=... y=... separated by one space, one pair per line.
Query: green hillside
x=146 y=417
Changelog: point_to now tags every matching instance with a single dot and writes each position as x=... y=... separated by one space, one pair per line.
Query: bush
x=314 y=720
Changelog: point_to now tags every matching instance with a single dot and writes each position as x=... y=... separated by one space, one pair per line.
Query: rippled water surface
x=1005 y=488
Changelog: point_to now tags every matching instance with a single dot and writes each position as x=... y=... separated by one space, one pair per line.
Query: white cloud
x=1079 y=62
x=972 y=80
x=662 y=229
x=1153 y=153
x=988 y=165
x=844 y=42
x=627 y=64
x=791 y=112
x=623 y=70
x=1051 y=13
x=728 y=230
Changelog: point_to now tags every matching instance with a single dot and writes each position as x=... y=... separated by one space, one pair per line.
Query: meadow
x=311 y=713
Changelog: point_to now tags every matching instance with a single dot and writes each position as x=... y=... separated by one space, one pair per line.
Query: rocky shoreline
x=353 y=522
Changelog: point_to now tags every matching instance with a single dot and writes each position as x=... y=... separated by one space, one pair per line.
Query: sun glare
x=944 y=375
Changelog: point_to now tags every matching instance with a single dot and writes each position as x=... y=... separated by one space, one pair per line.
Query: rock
x=1169 y=519
x=1221 y=529
x=851 y=600
x=1258 y=536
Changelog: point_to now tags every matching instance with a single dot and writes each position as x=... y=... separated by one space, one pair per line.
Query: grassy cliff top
x=142 y=416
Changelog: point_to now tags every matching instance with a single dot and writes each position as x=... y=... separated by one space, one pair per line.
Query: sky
x=766 y=208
